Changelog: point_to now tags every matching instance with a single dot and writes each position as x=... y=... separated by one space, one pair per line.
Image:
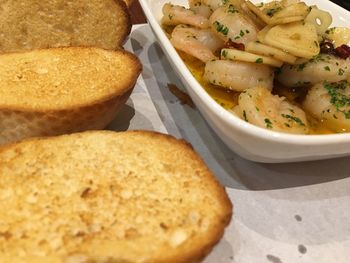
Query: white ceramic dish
x=247 y=140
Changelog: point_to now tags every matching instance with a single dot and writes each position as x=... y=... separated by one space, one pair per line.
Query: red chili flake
x=343 y=51
x=231 y=44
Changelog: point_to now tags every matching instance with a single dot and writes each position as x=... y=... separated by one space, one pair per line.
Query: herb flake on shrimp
x=338 y=99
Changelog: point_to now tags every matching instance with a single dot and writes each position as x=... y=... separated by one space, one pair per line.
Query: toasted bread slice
x=62 y=90
x=103 y=196
x=36 y=24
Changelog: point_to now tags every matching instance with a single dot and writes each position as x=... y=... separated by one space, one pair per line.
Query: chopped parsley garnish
x=259 y=60
x=293 y=118
x=278 y=71
x=341 y=72
x=224 y=53
x=245 y=115
x=241 y=34
x=318 y=58
x=268 y=123
x=327 y=68
x=232 y=9
x=221 y=28
x=301 y=67
x=338 y=99
x=330 y=31
x=270 y=12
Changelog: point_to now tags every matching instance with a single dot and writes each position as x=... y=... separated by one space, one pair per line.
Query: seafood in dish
x=176 y=15
x=258 y=106
x=238 y=75
x=282 y=57
x=310 y=72
x=230 y=24
x=330 y=102
x=200 y=43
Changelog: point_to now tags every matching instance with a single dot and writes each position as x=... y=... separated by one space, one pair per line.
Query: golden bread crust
x=37 y=24
x=63 y=90
x=102 y=196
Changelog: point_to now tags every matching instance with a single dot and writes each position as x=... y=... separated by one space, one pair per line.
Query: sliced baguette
x=62 y=90
x=35 y=24
x=103 y=196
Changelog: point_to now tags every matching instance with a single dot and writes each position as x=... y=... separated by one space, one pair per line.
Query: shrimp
x=200 y=43
x=174 y=15
x=238 y=76
x=320 y=68
x=215 y=4
x=330 y=103
x=207 y=7
x=199 y=8
x=229 y=23
x=286 y=3
x=260 y=107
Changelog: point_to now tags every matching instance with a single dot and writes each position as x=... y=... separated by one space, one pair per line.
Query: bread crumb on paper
x=181 y=95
